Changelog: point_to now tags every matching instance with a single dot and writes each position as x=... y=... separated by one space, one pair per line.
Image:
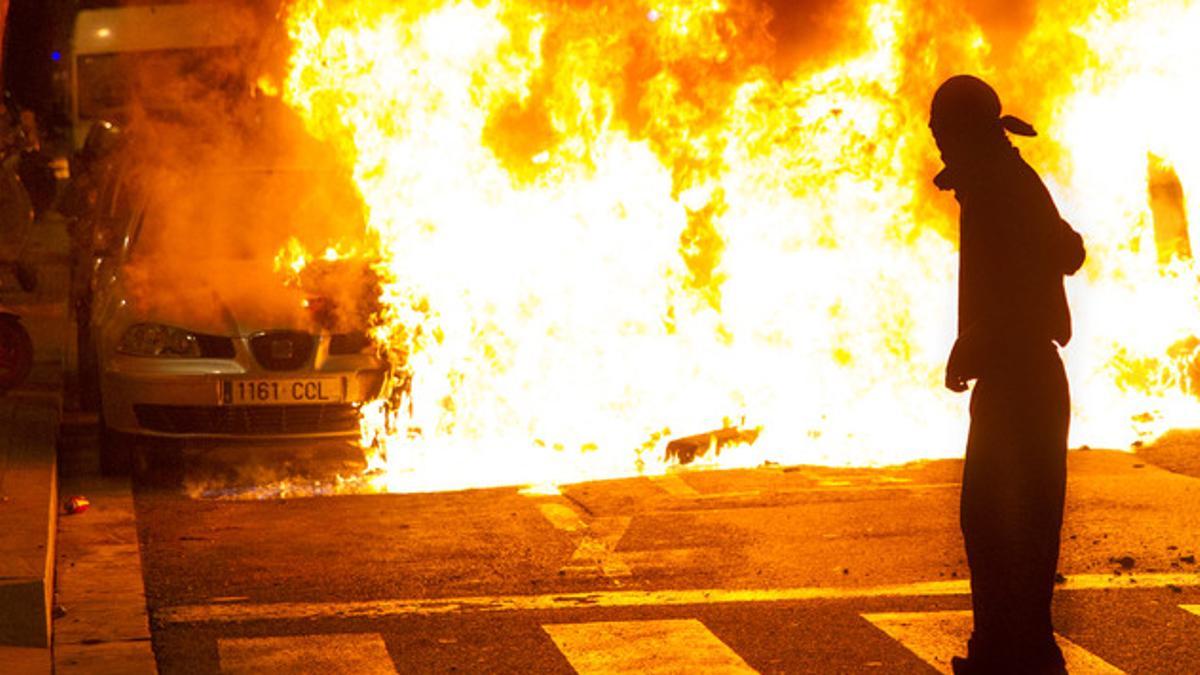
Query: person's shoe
x=967 y=665
x=962 y=665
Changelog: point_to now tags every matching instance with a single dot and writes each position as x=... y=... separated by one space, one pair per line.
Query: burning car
x=197 y=334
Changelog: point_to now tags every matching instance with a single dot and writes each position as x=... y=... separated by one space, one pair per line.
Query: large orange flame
x=604 y=225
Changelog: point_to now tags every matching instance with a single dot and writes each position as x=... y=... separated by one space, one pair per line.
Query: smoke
x=225 y=181
x=808 y=32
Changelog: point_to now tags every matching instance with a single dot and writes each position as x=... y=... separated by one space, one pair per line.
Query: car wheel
x=116 y=451
x=89 y=376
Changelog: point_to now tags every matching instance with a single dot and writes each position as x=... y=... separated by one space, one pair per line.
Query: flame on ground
x=602 y=226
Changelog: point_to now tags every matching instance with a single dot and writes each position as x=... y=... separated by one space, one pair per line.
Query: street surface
x=796 y=569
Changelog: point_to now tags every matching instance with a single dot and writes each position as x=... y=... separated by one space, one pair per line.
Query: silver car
x=192 y=344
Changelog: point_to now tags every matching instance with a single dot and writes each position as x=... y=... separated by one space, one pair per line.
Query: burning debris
x=686 y=450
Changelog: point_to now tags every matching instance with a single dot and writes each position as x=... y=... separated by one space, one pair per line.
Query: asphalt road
x=799 y=570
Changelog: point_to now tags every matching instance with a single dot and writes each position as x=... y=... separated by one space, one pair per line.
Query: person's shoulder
x=1022 y=177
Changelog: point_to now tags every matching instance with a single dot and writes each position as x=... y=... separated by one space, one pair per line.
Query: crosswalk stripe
x=562 y=517
x=657 y=646
x=935 y=637
x=359 y=653
x=595 y=555
x=674 y=485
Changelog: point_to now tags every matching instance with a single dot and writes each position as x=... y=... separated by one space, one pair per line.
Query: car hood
x=217 y=297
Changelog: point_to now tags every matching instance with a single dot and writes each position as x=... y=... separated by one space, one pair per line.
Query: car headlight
x=153 y=339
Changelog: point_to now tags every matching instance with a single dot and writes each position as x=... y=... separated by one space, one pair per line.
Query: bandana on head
x=966 y=102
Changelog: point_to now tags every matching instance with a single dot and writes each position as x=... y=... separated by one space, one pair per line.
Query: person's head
x=965 y=118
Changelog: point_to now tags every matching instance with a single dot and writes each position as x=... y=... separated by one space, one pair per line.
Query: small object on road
x=1174 y=588
x=76 y=504
x=1126 y=561
x=1059 y=578
x=1188 y=559
x=58 y=612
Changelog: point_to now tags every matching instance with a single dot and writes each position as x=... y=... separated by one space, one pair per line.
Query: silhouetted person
x=1012 y=310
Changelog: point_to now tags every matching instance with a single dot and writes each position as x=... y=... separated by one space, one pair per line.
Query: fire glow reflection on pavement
x=606 y=225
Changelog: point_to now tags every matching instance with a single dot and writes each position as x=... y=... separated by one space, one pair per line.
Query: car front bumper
x=189 y=398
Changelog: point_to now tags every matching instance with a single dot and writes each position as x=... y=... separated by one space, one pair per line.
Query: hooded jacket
x=1014 y=252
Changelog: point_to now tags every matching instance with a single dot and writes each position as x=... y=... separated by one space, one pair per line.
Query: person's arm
x=1069 y=253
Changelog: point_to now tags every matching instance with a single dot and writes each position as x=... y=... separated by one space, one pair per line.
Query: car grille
x=248 y=420
x=215 y=346
x=348 y=343
x=282 y=349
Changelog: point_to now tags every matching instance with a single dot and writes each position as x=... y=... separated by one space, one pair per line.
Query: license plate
x=268 y=392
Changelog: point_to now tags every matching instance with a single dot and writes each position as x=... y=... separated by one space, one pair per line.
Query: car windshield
x=246 y=214
x=109 y=83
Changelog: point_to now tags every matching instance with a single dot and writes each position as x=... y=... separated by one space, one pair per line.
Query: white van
x=113 y=48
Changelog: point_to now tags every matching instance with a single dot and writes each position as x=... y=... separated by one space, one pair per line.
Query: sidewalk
x=101 y=626
x=29 y=420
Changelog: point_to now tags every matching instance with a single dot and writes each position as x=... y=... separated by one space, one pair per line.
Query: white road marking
x=664 y=646
x=935 y=637
x=1194 y=609
x=375 y=609
x=359 y=653
x=596 y=553
x=562 y=517
x=674 y=485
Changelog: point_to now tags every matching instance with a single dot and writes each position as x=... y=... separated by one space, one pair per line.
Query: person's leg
x=983 y=524
x=1044 y=414
x=1011 y=510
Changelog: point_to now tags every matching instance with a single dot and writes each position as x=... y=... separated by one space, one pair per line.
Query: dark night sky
x=29 y=40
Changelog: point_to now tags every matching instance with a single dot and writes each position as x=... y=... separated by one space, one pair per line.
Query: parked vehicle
x=114 y=49
x=88 y=204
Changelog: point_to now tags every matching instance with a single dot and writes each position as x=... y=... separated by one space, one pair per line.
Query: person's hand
x=955 y=382
x=958 y=372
